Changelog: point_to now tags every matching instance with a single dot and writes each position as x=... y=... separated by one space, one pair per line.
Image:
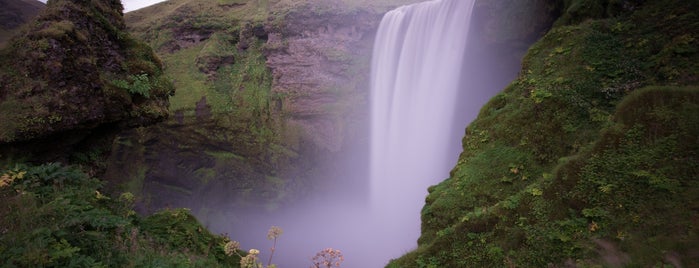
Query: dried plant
x=273 y=233
x=328 y=258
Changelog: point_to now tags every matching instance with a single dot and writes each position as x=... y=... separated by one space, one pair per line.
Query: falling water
x=416 y=72
x=418 y=67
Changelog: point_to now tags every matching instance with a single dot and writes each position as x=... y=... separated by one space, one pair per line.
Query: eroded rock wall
x=320 y=65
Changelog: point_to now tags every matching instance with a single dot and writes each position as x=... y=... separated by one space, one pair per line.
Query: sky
x=130 y=5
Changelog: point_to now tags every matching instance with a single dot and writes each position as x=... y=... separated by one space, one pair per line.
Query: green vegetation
x=251 y=260
x=191 y=82
x=588 y=158
x=55 y=216
x=138 y=84
x=74 y=60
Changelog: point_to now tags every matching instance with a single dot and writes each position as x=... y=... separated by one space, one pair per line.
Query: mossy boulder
x=76 y=68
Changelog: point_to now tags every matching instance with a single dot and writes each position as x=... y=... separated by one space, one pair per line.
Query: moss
x=63 y=76
x=58 y=29
x=609 y=159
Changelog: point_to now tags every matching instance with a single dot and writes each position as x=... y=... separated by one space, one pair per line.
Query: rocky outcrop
x=75 y=68
x=319 y=64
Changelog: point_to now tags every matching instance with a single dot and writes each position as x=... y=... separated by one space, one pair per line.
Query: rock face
x=319 y=63
x=75 y=68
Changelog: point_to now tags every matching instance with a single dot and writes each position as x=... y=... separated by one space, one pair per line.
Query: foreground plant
x=251 y=260
x=273 y=233
x=328 y=258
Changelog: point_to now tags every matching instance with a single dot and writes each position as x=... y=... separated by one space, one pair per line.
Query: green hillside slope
x=589 y=158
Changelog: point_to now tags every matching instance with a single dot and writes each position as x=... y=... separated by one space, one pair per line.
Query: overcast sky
x=133 y=4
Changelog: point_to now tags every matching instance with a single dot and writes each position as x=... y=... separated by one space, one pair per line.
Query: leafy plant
x=251 y=259
x=137 y=84
x=55 y=216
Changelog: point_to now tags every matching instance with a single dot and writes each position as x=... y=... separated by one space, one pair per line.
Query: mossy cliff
x=74 y=69
x=270 y=96
x=589 y=158
x=71 y=79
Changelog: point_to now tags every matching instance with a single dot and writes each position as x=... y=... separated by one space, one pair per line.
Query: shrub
x=55 y=216
x=138 y=84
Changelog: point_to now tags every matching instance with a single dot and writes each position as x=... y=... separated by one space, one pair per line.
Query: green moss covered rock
x=75 y=68
x=588 y=158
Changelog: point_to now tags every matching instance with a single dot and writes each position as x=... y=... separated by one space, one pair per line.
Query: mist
x=372 y=211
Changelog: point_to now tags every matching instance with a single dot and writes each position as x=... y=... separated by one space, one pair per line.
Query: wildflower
x=232 y=248
x=274 y=232
x=328 y=258
x=250 y=261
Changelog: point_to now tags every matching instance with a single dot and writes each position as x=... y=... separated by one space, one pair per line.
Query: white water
x=416 y=74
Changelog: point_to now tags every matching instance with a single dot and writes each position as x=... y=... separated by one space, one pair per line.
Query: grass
x=590 y=146
x=187 y=77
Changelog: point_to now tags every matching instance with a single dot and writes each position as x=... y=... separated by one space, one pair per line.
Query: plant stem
x=272 y=252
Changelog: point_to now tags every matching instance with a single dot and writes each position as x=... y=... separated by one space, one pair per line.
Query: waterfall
x=416 y=72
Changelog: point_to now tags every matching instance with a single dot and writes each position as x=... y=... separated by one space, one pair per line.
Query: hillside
x=14 y=14
x=589 y=158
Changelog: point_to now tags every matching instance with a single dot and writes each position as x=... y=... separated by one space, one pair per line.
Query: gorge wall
x=586 y=158
x=296 y=72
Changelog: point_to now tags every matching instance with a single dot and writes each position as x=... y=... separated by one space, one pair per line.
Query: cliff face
x=588 y=158
x=267 y=94
x=75 y=68
x=320 y=65
x=317 y=53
